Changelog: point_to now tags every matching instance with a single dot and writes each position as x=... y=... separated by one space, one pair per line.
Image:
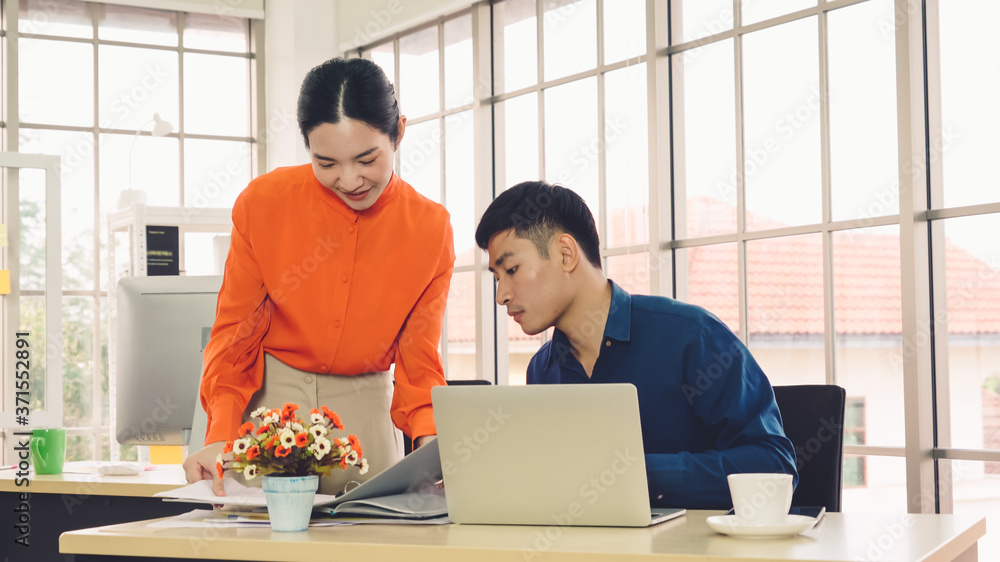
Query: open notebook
x=407 y=489
x=544 y=455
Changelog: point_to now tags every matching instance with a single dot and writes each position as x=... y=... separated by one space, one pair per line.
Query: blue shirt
x=706 y=408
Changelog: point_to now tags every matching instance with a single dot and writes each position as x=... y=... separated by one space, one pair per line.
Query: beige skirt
x=362 y=402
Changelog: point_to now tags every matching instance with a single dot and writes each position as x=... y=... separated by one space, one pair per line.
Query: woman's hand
x=200 y=465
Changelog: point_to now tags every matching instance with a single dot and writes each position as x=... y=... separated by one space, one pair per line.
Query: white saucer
x=730 y=525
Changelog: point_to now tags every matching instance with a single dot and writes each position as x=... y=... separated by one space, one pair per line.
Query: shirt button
x=307 y=379
x=350 y=229
x=659 y=497
x=336 y=323
x=343 y=278
x=607 y=343
x=323 y=367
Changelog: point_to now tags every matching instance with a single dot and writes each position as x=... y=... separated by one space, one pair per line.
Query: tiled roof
x=785 y=283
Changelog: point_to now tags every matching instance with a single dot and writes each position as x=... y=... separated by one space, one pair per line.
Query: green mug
x=48 y=450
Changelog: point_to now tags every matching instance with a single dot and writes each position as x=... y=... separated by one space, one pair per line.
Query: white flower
x=318 y=417
x=317 y=431
x=250 y=471
x=259 y=412
x=218 y=459
x=352 y=457
x=287 y=438
x=240 y=446
x=320 y=447
x=343 y=442
x=297 y=428
x=364 y=466
x=271 y=418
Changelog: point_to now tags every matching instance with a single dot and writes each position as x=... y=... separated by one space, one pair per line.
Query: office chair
x=813 y=418
x=407 y=442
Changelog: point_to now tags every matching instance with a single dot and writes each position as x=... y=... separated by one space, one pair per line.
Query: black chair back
x=813 y=418
x=407 y=442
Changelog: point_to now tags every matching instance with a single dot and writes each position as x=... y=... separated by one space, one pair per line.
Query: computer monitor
x=163 y=324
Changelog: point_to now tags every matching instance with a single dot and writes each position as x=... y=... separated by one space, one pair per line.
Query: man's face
x=530 y=286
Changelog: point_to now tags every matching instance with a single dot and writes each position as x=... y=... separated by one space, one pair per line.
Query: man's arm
x=738 y=409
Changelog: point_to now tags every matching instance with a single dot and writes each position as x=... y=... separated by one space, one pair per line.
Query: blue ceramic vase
x=290 y=501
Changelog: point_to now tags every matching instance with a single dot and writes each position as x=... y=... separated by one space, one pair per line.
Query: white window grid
x=98 y=430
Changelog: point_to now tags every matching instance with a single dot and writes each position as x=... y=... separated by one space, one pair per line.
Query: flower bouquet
x=291 y=455
x=283 y=444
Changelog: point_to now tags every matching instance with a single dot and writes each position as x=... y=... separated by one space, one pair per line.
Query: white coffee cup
x=761 y=498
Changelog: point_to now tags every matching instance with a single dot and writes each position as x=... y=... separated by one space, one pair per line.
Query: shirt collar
x=618 y=326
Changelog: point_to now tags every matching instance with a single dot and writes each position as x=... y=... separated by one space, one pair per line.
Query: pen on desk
x=7 y=466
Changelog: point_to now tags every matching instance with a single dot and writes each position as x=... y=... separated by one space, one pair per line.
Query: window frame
x=98 y=429
x=919 y=133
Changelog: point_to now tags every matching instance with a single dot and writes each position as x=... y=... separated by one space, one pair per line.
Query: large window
x=760 y=159
x=93 y=81
x=845 y=220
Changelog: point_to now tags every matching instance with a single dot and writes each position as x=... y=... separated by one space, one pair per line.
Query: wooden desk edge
x=960 y=543
x=126 y=540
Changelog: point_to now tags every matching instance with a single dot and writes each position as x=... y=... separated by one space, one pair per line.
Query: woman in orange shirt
x=336 y=270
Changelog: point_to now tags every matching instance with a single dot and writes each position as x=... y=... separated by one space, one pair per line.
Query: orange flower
x=288 y=411
x=262 y=429
x=333 y=417
x=281 y=451
x=245 y=428
x=355 y=444
x=219 y=469
x=252 y=452
x=228 y=448
x=271 y=442
x=301 y=439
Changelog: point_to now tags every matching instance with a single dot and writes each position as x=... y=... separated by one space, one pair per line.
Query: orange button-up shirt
x=327 y=289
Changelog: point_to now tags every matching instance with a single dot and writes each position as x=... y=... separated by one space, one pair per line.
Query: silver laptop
x=544 y=455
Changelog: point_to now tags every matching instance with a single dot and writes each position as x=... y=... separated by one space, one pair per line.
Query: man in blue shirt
x=707 y=409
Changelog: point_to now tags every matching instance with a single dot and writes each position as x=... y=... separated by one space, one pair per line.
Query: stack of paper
x=408 y=490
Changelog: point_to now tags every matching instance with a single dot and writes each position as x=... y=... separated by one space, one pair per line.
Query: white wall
x=298 y=35
x=362 y=23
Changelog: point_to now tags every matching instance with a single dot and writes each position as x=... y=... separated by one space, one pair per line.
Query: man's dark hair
x=537 y=210
x=348 y=88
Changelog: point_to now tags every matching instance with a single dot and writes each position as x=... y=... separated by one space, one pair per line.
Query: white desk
x=81 y=497
x=83 y=479
x=896 y=537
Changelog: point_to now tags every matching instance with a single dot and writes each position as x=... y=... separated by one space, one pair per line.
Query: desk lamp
x=160 y=128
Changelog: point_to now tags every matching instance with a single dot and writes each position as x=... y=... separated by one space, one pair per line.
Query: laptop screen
x=542 y=454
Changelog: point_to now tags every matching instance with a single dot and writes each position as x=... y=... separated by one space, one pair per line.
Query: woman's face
x=353 y=159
